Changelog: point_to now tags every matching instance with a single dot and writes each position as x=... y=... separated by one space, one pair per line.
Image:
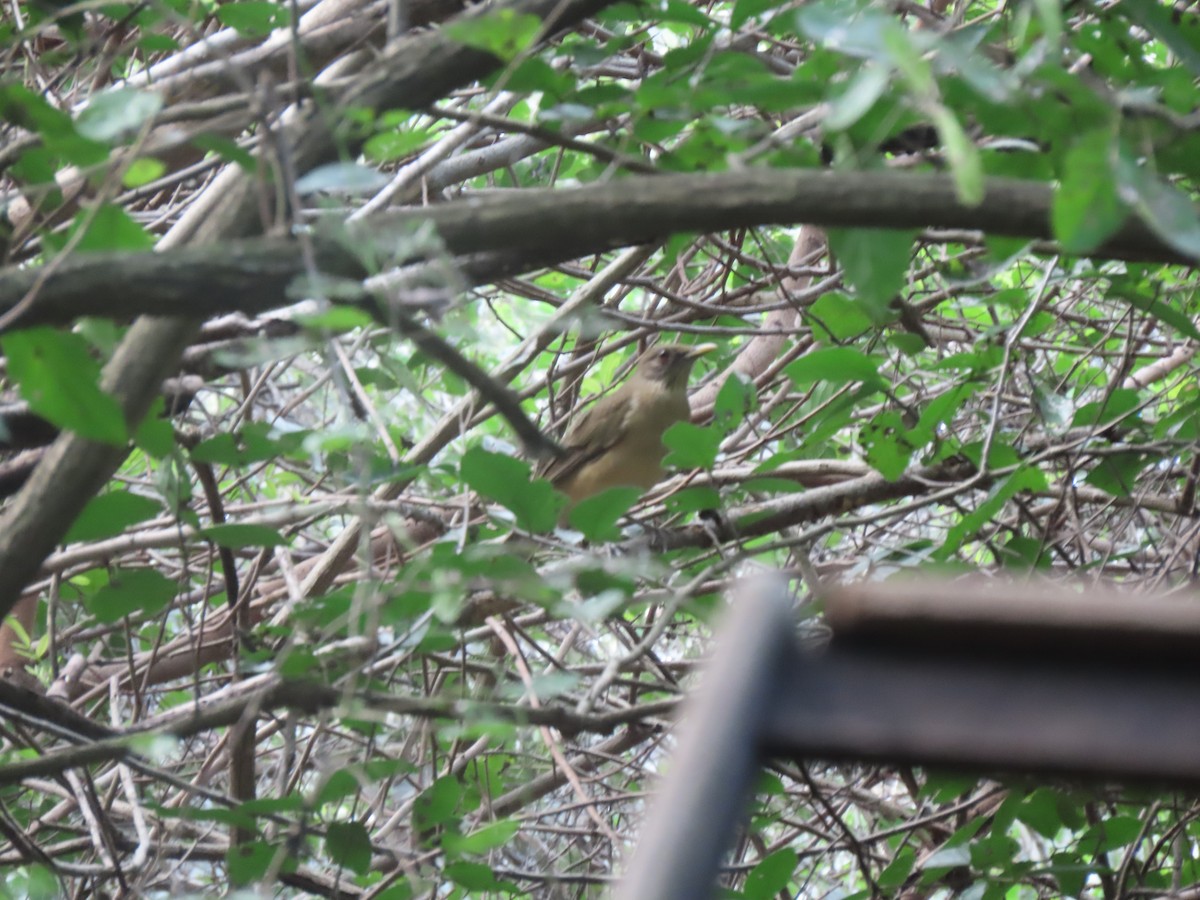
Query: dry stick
x=552 y=745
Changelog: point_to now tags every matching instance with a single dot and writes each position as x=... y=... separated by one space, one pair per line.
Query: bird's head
x=670 y=364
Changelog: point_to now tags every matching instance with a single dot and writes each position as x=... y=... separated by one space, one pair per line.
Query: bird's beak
x=700 y=349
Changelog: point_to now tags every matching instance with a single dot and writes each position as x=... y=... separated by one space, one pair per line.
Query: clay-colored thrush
x=618 y=440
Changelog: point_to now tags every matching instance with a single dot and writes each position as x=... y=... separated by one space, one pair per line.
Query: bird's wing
x=589 y=436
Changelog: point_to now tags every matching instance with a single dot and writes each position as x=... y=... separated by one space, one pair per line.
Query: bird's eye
x=664 y=355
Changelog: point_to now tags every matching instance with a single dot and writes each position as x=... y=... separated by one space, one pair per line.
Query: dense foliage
x=423 y=687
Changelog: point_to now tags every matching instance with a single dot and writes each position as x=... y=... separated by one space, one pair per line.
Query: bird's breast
x=635 y=460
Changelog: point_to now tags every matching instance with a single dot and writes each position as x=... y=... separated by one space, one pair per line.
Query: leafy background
x=428 y=690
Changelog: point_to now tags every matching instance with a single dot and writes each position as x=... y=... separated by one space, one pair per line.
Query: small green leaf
x=504 y=33
x=875 y=263
x=965 y=164
x=118 y=113
x=336 y=319
x=834 y=365
x=1119 y=404
x=129 y=591
x=898 y=870
x=866 y=87
x=836 y=318
x=771 y=875
x=1023 y=479
x=437 y=804
x=155 y=435
x=248 y=863
x=340 y=178
x=1117 y=474
x=349 y=845
x=506 y=480
x=597 y=516
x=253 y=18
x=694 y=498
x=105 y=228
x=1143 y=296
x=1087 y=210
x=339 y=784
x=388 y=146
x=472 y=876
x=1170 y=214
x=886 y=444
x=735 y=399
x=110 y=514
x=143 y=171
x=233 y=534
x=1040 y=811
x=497 y=834
x=227 y=150
x=691 y=446
x=59 y=379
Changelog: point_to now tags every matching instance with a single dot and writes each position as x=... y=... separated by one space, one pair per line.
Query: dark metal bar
x=692 y=821
x=1010 y=712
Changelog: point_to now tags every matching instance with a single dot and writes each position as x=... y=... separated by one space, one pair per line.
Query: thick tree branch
x=545 y=226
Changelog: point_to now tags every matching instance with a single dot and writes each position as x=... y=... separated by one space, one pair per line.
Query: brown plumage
x=618 y=440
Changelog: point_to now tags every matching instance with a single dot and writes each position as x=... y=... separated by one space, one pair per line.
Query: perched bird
x=618 y=440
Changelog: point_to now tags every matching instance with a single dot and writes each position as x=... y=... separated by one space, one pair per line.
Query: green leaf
x=898 y=870
x=155 y=436
x=497 y=834
x=1143 y=296
x=437 y=804
x=227 y=150
x=886 y=444
x=105 y=228
x=504 y=33
x=692 y=446
x=1119 y=404
x=1087 y=210
x=1159 y=21
x=472 y=876
x=253 y=18
x=129 y=591
x=143 y=171
x=248 y=863
x=867 y=86
x=349 y=845
x=1023 y=479
x=771 y=875
x=1117 y=474
x=743 y=10
x=341 y=783
x=836 y=318
x=875 y=263
x=233 y=534
x=59 y=379
x=113 y=115
x=694 y=498
x=336 y=319
x=340 y=178
x=834 y=365
x=597 y=516
x=1112 y=833
x=110 y=514
x=506 y=480
x=1170 y=214
x=392 y=145
x=735 y=399
x=965 y=164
